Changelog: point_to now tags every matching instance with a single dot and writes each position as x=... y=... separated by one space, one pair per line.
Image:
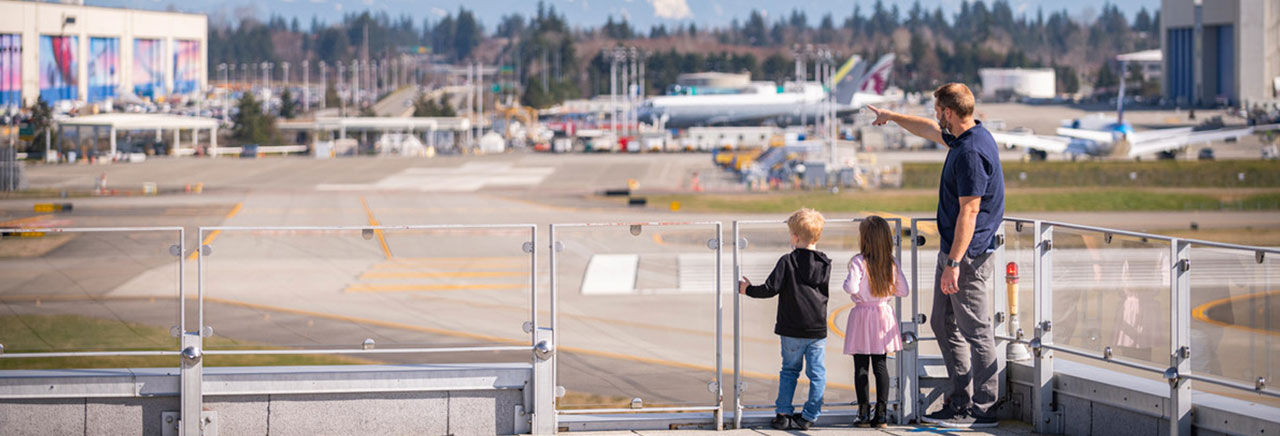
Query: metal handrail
x=10 y=355
x=364 y=351
x=1095 y=356
x=89 y=229
x=1233 y=384
x=1111 y=231
x=1255 y=249
x=639 y=410
x=377 y=227
x=640 y=223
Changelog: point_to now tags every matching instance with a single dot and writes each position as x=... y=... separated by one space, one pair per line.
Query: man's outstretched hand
x=883 y=116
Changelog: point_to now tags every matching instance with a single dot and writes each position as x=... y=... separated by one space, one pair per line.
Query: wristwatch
x=951 y=263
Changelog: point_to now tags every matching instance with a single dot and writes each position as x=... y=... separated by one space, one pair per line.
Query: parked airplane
x=856 y=86
x=1102 y=137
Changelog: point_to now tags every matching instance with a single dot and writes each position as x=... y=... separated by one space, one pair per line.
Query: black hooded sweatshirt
x=801 y=280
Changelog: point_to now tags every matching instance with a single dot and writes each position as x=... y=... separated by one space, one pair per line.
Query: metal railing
x=1176 y=268
x=175 y=250
x=714 y=242
x=1175 y=274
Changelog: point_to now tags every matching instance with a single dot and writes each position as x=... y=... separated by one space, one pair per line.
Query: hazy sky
x=641 y=13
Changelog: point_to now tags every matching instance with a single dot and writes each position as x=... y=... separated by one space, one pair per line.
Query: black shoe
x=799 y=423
x=967 y=420
x=879 y=420
x=864 y=416
x=985 y=422
x=781 y=422
x=942 y=415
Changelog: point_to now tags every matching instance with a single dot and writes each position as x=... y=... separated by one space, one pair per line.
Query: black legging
x=860 y=377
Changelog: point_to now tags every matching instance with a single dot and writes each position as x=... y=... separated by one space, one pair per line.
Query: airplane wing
x=1052 y=144
x=1092 y=135
x=1158 y=134
x=1176 y=142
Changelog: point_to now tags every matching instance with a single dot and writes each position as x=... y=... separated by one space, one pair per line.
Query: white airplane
x=1101 y=137
x=856 y=86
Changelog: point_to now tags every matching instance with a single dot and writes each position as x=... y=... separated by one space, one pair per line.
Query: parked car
x=1206 y=154
x=249 y=151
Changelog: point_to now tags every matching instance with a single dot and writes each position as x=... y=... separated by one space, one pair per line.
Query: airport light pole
x=285 y=66
x=355 y=82
x=342 y=102
x=226 y=91
x=306 y=85
x=613 y=93
x=324 y=81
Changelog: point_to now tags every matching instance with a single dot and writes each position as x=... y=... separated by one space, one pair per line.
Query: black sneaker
x=781 y=422
x=985 y=422
x=959 y=420
x=966 y=420
x=799 y=423
x=946 y=413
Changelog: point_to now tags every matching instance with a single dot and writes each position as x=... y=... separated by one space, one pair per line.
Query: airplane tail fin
x=847 y=78
x=876 y=81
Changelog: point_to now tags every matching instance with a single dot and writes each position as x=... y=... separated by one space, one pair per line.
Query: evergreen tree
x=331 y=96
x=288 y=108
x=41 y=119
x=252 y=126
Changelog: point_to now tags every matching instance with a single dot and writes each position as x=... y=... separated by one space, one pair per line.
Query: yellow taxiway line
x=374 y=222
x=208 y=239
x=1199 y=312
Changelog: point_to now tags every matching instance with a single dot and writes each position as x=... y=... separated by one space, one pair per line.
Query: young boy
x=800 y=280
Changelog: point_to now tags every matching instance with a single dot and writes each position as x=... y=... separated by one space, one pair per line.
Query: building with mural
x=62 y=52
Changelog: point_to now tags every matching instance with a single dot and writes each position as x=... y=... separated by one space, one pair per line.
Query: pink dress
x=872 y=327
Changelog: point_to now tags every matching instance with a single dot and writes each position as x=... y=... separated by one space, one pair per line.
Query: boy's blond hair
x=806 y=224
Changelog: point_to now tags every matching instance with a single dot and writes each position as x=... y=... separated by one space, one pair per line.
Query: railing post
x=1180 y=338
x=909 y=392
x=1000 y=310
x=544 y=390
x=737 y=327
x=1042 y=407
x=720 y=326
x=190 y=422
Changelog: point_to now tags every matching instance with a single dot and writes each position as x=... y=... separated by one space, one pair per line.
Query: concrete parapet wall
x=479 y=399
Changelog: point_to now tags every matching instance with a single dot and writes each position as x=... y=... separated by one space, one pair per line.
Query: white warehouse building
x=1007 y=83
x=62 y=52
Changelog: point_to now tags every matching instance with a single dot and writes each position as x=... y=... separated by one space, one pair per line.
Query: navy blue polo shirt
x=972 y=168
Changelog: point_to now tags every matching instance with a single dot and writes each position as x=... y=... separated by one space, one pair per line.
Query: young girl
x=872 y=332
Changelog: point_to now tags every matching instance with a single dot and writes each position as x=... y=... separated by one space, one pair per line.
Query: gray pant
x=962 y=323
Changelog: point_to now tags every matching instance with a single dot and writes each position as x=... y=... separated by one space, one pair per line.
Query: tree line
x=543 y=62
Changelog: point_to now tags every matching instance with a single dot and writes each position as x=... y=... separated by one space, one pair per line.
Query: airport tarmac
x=637 y=307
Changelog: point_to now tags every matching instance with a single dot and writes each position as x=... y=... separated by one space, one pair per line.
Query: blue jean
x=810 y=353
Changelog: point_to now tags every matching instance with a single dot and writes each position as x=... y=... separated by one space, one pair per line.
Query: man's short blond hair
x=955 y=96
x=807 y=225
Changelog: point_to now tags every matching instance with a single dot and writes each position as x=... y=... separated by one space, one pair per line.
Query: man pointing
x=970 y=210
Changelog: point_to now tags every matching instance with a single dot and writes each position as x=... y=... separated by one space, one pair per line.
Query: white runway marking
x=470 y=177
x=611 y=274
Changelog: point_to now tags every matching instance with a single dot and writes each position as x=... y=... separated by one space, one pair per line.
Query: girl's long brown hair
x=876 y=241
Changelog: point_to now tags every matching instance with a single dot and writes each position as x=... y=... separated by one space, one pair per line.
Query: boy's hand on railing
x=742 y=285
